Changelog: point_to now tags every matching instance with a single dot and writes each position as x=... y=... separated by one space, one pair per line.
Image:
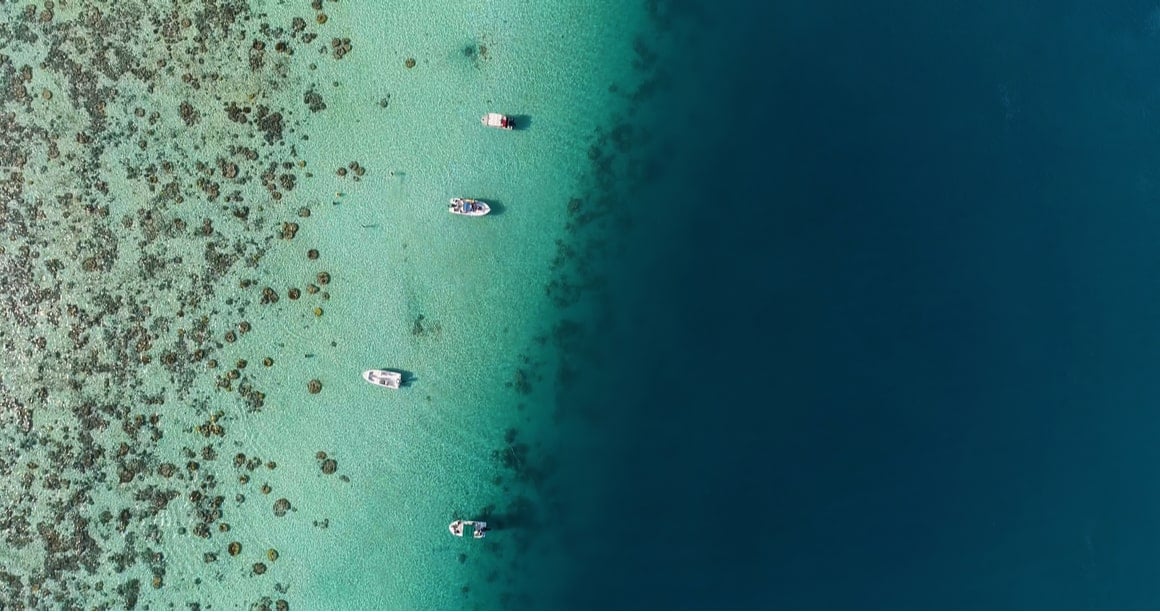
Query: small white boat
x=478 y=531
x=497 y=120
x=383 y=378
x=468 y=207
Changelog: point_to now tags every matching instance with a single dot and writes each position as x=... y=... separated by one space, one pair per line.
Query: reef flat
x=215 y=214
x=148 y=166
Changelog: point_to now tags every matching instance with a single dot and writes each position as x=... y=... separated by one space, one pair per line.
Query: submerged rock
x=281 y=507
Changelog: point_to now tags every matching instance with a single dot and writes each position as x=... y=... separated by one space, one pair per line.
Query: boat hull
x=478 y=531
x=383 y=378
x=468 y=207
x=498 y=121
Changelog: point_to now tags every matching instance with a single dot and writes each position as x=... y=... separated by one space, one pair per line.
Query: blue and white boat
x=479 y=528
x=468 y=207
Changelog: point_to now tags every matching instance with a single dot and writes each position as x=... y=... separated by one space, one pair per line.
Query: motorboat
x=499 y=121
x=468 y=207
x=383 y=378
x=479 y=528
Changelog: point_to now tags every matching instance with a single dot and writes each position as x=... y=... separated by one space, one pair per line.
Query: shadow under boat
x=408 y=377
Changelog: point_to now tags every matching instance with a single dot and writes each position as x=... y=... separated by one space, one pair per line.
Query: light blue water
x=149 y=237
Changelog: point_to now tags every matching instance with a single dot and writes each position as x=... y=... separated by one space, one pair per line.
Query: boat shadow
x=409 y=377
x=505 y=521
x=521 y=122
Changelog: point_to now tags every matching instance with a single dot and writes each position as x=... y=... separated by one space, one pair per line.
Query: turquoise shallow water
x=151 y=278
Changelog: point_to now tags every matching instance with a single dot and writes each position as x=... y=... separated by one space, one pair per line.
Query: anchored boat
x=478 y=531
x=383 y=378
x=497 y=120
x=468 y=207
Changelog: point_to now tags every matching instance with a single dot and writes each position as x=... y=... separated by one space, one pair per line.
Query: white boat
x=497 y=120
x=383 y=378
x=468 y=207
x=478 y=531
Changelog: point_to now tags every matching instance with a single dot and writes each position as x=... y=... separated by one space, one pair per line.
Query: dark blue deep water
x=887 y=333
